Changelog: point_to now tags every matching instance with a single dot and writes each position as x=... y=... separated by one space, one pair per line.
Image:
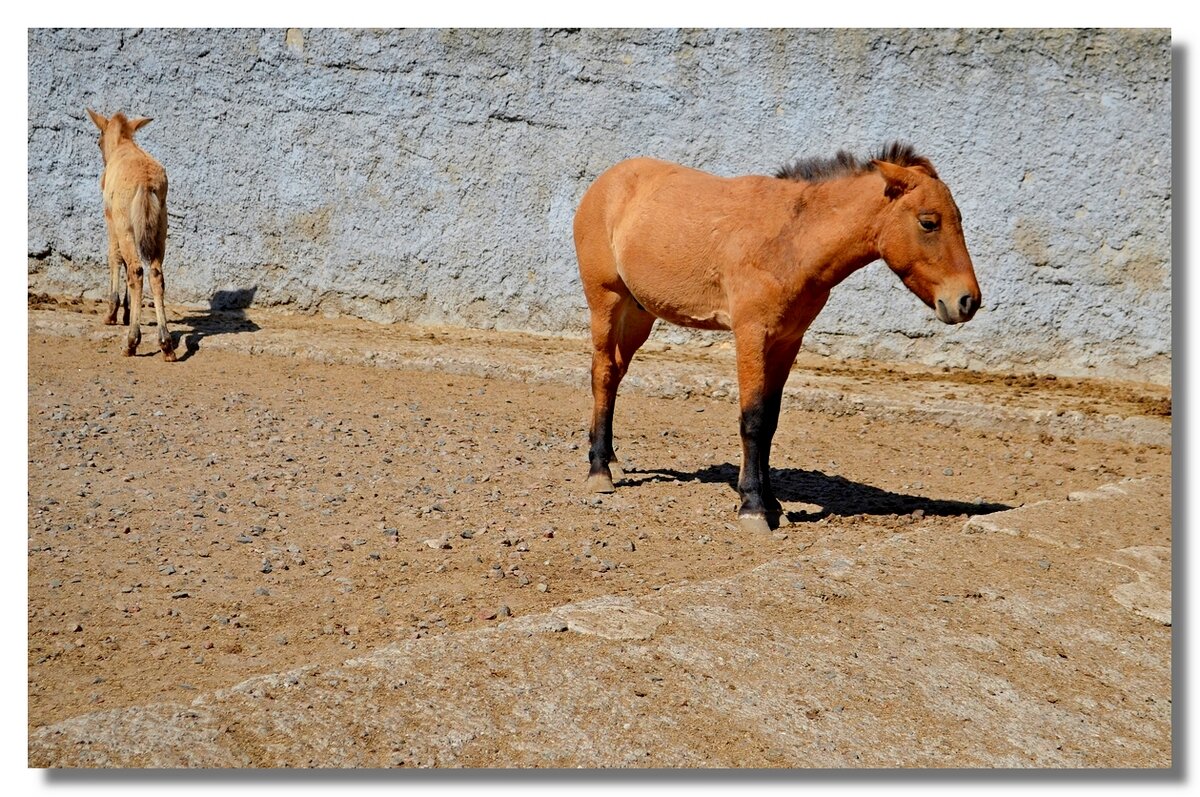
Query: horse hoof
x=599 y=483
x=615 y=470
x=169 y=356
x=754 y=524
x=110 y=322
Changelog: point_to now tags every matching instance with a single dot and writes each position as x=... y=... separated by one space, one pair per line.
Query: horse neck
x=838 y=225
x=121 y=143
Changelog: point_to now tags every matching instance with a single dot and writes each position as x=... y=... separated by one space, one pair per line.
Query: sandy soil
x=302 y=490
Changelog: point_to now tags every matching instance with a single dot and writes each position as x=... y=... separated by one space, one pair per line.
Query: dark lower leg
x=750 y=481
x=600 y=450
x=771 y=404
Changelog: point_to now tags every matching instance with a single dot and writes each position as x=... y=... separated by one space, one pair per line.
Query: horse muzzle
x=957 y=311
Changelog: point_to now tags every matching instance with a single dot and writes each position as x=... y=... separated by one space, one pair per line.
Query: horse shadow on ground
x=226 y=315
x=836 y=495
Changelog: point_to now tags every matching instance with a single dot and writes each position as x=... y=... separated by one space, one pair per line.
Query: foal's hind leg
x=619 y=327
x=158 y=288
x=133 y=274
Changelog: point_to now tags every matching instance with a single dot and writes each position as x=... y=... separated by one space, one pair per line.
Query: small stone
x=266 y=566
x=262 y=591
x=438 y=543
x=181 y=594
x=504 y=611
x=542 y=588
x=948 y=472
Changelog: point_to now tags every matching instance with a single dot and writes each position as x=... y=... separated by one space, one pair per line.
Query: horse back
x=134 y=186
x=680 y=238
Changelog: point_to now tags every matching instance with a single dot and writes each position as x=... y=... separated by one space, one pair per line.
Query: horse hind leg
x=133 y=275
x=158 y=288
x=619 y=327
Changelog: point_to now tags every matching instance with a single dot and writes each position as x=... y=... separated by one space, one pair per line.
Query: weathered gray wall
x=431 y=175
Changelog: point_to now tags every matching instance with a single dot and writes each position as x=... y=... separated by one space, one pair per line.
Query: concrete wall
x=431 y=175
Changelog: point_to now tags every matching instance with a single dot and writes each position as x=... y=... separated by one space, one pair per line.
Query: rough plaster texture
x=431 y=175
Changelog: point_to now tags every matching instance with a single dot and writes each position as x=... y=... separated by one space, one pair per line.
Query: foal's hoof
x=169 y=355
x=110 y=321
x=754 y=524
x=599 y=483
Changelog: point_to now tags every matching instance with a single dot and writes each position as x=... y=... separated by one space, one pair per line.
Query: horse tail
x=148 y=217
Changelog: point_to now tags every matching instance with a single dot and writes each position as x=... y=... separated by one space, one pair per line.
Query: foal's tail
x=148 y=216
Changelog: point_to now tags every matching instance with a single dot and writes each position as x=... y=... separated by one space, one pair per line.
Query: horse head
x=921 y=239
x=115 y=129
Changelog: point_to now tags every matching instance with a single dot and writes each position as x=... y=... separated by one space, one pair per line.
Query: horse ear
x=139 y=123
x=97 y=119
x=900 y=180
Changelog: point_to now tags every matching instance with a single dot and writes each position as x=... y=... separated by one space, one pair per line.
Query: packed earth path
x=974 y=570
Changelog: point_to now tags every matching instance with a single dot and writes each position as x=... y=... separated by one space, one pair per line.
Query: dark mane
x=815 y=170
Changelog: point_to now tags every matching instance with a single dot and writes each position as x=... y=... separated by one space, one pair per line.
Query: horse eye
x=928 y=225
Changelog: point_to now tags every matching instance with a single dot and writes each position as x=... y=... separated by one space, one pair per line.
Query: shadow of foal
x=226 y=315
x=836 y=495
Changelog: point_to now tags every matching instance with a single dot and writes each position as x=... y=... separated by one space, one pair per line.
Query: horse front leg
x=755 y=427
x=114 y=281
x=778 y=367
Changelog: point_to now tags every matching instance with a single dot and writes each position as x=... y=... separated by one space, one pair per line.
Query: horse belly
x=678 y=296
x=671 y=276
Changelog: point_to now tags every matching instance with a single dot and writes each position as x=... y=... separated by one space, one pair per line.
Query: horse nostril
x=966 y=304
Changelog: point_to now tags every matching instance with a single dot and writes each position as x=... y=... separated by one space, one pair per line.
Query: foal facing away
x=758 y=256
x=134 y=186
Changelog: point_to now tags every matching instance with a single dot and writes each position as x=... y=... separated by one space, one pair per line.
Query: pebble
x=948 y=471
x=181 y=594
x=438 y=543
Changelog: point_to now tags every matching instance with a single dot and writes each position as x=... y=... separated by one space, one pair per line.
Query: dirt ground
x=300 y=490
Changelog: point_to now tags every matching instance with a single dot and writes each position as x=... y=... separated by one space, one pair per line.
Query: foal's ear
x=139 y=123
x=900 y=180
x=97 y=119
